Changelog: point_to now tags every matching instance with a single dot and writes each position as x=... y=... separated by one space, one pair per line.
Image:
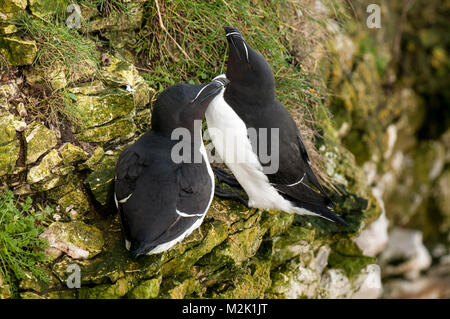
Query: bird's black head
x=179 y=105
x=247 y=70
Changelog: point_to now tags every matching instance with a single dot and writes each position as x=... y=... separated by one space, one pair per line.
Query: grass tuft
x=20 y=245
x=59 y=45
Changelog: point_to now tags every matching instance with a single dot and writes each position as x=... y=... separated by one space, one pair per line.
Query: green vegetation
x=347 y=256
x=184 y=41
x=20 y=246
x=59 y=45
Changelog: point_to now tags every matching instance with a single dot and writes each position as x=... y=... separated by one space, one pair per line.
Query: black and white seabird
x=161 y=201
x=249 y=102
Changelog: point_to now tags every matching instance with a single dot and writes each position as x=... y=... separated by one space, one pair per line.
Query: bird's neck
x=254 y=94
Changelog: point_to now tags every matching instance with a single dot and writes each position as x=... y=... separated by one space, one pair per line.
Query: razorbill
x=249 y=102
x=161 y=200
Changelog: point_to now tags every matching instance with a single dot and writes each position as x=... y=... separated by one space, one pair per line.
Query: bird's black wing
x=195 y=188
x=295 y=178
x=305 y=163
x=152 y=185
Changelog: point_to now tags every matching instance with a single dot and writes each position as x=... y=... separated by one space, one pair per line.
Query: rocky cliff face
x=63 y=124
x=393 y=95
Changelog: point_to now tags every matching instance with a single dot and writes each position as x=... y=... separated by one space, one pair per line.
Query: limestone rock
x=119 y=130
x=147 y=289
x=121 y=73
x=143 y=120
x=131 y=19
x=406 y=245
x=178 y=287
x=93 y=160
x=7 y=129
x=75 y=202
x=5 y=292
x=9 y=146
x=43 y=171
x=369 y=282
x=17 y=51
x=112 y=264
x=39 y=140
x=374 y=239
x=96 y=110
x=443 y=200
x=30 y=282
x=335 y=284
x=71 y=153
x=100 y=180
x=12 y=7
x=76 y=239
x=7 y=29
x=107 y=291
x=43 y=8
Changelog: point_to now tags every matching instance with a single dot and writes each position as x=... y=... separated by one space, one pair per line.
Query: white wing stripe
x=124 y=200
x=301 y=180
x=188 y=215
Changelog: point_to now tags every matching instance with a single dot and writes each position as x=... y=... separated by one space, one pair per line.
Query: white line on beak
x=200 y=92
x=246 y=51
x=231 y=33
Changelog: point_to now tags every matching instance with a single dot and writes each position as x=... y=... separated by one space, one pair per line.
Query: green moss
x=179 y=287
x=9 y=154
x=71 y=153
x=147 y=289
x=100 y=180
x=213 y=235
x=77 y=200
x=31 y=282
x=12 y=7
x=39 y=139
x=237 y=248
x=103 y=108
x=7 y=130
x=294 y=242
x=250 y=281
x=43 y=171
x=346 y=255
x=96 y=156
x=114 y=291
x=112 y=264
x=17 y=51
x=118 y=130
x=75 y=238
x=43 y=8
x=277 y=222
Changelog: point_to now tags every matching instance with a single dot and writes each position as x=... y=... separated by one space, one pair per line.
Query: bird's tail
x=304 y=197
x=322 y=210
x=137 y=250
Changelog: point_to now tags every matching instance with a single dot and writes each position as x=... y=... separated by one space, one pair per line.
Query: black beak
x=235 y=38
x=210 y=90
x=232 y=31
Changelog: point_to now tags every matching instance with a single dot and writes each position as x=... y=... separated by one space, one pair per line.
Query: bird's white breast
x=229 y=135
